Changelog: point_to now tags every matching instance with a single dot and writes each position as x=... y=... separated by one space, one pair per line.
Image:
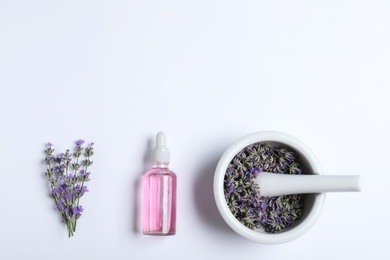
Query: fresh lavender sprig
x=244 y=198
x=67 y=181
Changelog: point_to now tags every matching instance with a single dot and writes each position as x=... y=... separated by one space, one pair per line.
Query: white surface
x=207 y=73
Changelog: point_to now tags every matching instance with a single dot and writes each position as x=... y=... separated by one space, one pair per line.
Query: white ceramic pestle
x=274 y=184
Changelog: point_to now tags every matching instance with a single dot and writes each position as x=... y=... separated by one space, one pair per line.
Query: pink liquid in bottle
x=159 y=205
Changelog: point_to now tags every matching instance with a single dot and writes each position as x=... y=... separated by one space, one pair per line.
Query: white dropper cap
x=161 y=153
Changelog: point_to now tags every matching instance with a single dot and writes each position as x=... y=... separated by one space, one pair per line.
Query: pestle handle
x=274 y=184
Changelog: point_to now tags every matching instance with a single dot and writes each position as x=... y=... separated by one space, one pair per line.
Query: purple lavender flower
x=77 y=210
x=56 y=190
x=60 y=169
x=48 y=159
x=63 y=187
x=229 y=170
x=84 y=189
x=67 y=197
x=77 y=188
x=79 y=142
x=67 y=180
x=60 y=158
x=60 y=205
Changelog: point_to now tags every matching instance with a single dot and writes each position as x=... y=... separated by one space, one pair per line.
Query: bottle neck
x=160 y=165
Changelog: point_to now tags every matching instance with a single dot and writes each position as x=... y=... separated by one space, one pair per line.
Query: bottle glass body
x=159 y=205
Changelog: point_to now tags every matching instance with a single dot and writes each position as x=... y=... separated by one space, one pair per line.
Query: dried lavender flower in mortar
x=242 y=195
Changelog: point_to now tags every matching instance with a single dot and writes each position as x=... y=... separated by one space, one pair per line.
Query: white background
x=207 y=73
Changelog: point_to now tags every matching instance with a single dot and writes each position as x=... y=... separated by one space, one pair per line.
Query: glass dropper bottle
x=159 y=201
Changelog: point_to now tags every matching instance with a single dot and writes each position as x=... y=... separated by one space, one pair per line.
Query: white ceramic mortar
x=313 y=203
